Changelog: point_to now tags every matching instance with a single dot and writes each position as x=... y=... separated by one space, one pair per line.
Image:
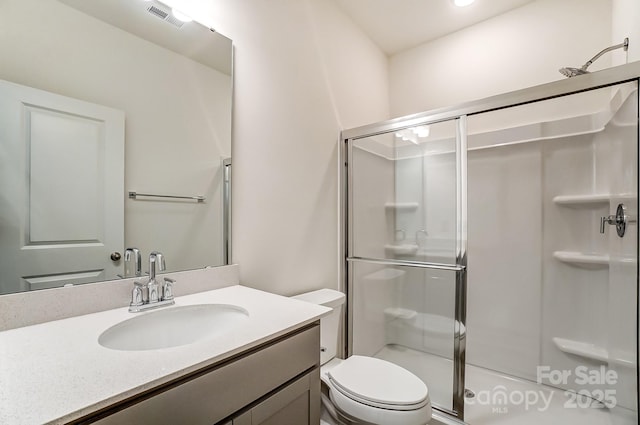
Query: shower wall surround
x=535 y=251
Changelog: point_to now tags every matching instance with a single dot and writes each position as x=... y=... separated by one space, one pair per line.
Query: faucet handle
x=137 y=298
x=167 y=289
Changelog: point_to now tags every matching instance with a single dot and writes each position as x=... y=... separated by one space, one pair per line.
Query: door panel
x=407 y=253
x=405 y=315
x=62 y=207
x=62 y=189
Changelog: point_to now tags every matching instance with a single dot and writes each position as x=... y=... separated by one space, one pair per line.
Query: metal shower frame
x=590 y=81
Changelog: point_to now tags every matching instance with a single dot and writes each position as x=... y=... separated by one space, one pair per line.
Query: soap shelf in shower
x=585 y=201
x=593 y=352
x=579 y=259
x=401 y=250
x=582 y=349
x=591 y=200
x=385 y=274
x=401 y=206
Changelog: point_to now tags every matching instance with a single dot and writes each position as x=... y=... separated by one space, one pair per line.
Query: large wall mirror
x=103 y=102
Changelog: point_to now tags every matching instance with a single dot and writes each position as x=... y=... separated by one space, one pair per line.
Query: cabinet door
x=296 y=404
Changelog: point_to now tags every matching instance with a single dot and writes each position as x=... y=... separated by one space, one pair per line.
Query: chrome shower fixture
x=572 y=72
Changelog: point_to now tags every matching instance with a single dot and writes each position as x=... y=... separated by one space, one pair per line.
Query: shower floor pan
x=502 y=399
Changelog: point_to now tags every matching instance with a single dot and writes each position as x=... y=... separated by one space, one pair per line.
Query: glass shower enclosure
x=491 y=249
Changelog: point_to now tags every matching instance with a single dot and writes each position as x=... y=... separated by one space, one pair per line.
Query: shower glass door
x=406 y=253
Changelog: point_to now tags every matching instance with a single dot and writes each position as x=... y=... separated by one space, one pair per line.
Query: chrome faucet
x=150 y=294
x=132 y=255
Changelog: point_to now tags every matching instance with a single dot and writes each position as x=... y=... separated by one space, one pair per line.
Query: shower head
x=572 y=72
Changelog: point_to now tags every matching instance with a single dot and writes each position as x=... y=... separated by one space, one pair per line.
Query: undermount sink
x=173 y=327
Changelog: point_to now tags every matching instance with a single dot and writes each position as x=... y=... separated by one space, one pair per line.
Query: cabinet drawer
x=220 y=391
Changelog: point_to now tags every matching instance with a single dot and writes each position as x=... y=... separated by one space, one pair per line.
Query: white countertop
x=56 y=371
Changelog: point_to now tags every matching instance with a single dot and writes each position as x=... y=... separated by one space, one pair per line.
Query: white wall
x=302 y=73
x=518 y=49
x=625 y=18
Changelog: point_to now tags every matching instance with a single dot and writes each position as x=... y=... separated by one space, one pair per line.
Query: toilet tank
x=330 y=324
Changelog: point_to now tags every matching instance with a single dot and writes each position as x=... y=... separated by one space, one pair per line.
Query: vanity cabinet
x=277 y=382
x=296 y=404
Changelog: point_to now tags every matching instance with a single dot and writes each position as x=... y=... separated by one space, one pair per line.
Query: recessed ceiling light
x=463 y=3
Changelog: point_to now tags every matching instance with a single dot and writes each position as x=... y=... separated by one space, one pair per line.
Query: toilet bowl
x=365 y=390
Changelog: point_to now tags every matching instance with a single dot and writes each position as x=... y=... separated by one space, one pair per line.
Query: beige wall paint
x=303 y=72
x=522 y=48
x=626 y=23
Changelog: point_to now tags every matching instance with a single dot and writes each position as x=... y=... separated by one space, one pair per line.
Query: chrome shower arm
x=624 y=45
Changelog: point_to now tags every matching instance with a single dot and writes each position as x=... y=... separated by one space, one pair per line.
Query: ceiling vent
x=165 y=16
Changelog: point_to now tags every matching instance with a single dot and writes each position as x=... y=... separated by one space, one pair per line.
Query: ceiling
x=398 y=25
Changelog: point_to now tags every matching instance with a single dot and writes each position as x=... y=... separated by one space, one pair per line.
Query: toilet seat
x=375 y=391
x=379 y=383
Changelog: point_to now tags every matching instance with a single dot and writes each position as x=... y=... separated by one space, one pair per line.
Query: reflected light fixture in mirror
x=179 y=15
x=462 y=3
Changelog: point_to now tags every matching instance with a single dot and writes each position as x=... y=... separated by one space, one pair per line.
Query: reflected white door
x=61 y=189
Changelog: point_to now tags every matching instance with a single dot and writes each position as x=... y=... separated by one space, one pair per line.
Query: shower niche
x=475 y=259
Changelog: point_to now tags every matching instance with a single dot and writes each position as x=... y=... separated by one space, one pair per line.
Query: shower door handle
x=607 y=220
x=620 y=220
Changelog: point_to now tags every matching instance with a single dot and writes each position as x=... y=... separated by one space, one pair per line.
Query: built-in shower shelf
x=581 y=259
x=582 y=349
x=385 y=274
x=399 y=313
x=583 y=201
x=592 y=200
x=401 y=206
x=595 y=352
x=401 y=250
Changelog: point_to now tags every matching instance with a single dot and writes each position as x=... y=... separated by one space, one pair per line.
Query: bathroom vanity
x=264 y=371
x=275 y=383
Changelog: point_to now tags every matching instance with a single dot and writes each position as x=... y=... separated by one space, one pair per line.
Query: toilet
x=364 y=390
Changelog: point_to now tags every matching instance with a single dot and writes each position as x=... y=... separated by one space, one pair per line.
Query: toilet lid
x=379 y=383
